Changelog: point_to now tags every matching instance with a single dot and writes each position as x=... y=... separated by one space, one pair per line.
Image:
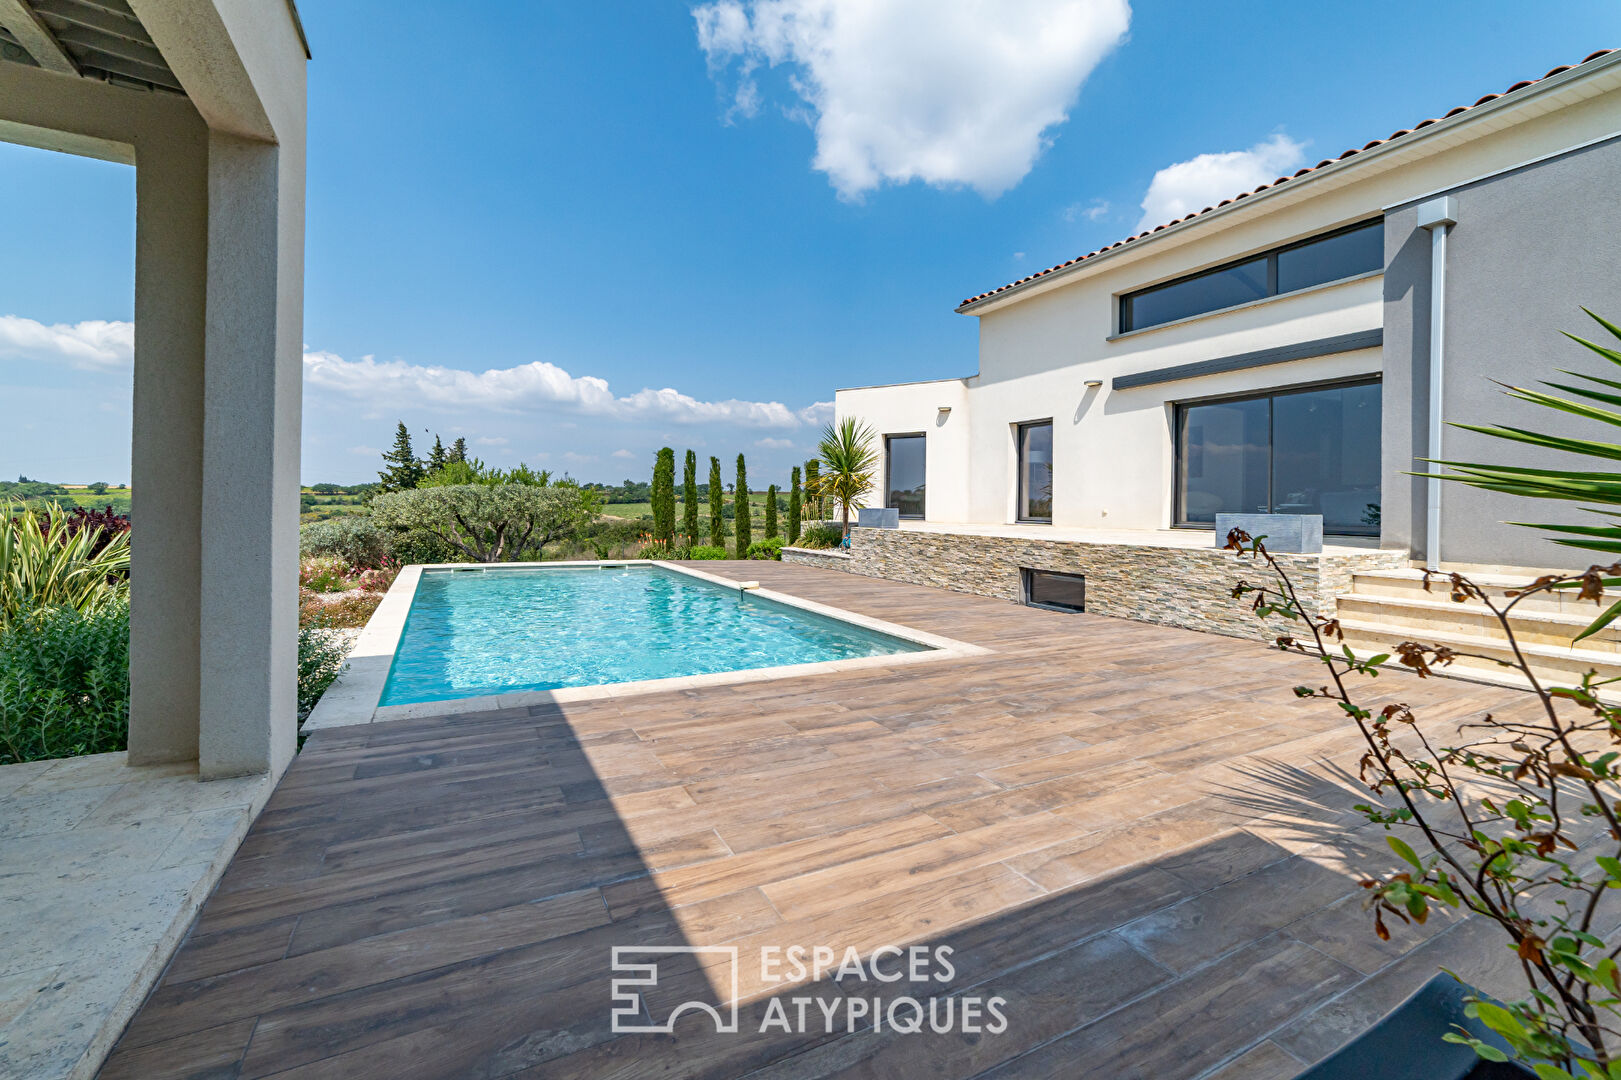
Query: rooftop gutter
x=1413 y=139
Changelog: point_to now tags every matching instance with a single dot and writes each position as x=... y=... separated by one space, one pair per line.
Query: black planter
x=1407 y=1044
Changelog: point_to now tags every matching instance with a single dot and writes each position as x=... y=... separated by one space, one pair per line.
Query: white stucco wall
x=1114 y=449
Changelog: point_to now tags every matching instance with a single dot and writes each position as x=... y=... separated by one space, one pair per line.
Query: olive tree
x=489 y=523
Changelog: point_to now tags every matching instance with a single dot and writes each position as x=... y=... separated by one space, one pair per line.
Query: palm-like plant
x=1600 y=490
x=45 y=563
x=848 y=461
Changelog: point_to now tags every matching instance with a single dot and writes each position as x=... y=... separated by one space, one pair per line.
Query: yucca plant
x=45 y=562
x=1600 y=490
x=848 y=461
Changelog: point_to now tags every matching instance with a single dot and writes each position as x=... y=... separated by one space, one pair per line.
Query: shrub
x=490 y=523
x=327 y=573
x=352 y=538
x=707 y=551
x=64 y=682
x=765 y=549
x=347 y=611
x=377 y=580
x=48 y=561
x=414 y=547
x=821 y=536
x=322 y=656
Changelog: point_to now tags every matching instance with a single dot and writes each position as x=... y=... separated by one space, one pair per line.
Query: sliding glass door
x=1313 y=450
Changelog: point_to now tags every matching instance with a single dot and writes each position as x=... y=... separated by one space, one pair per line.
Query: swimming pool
x=475 y=633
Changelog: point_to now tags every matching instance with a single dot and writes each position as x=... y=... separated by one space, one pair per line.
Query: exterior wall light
x=944 y=409
x=1093 y=384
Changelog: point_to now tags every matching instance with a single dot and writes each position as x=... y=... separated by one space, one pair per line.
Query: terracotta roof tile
x=1522 y=84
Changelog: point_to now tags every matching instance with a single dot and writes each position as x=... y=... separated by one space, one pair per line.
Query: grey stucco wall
x=1530 y=249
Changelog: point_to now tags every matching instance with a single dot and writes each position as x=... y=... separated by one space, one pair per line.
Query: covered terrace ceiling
x=96 y=39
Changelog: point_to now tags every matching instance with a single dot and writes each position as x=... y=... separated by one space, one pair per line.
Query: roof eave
x=1244 y=203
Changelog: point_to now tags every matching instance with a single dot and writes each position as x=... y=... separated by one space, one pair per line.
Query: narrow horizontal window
x=1054 y=589
x=1331 y=257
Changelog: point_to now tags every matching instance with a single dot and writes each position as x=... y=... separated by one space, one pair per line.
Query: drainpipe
x=1438 y=216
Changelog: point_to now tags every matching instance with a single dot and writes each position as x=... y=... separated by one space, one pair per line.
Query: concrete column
x=171 y=254
x=251 y=415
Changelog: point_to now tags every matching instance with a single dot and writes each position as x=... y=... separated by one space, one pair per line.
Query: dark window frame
x=1027 y=580
x=1179 y=450
x=888 y=487
x=1018 y=464
x=1124 y=307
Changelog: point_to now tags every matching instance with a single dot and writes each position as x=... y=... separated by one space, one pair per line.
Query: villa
x=1287 y=350
x=583 y=818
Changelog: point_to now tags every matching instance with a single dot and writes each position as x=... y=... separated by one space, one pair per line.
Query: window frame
x=1179 y=449
x=1123 y=308
x=887 y=486
x=1019 y=429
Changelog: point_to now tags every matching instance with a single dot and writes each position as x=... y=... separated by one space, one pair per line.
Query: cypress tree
x=664 y=495
x=458 y=449
x=437 y=456
x=794 y=506
x=404 y=471
x=812 y=479
x=689 y=498
x=740 y=497
x=771 y=512
x=717 y=506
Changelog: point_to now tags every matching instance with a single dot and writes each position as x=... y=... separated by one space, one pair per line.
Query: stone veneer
x=1178 y=586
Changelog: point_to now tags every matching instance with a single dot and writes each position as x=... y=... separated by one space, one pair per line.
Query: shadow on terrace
x=441 y=898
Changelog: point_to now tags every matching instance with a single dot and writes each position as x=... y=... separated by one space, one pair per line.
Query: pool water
x=473 y=633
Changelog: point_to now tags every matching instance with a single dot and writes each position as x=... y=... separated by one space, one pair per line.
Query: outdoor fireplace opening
x=1053 y=589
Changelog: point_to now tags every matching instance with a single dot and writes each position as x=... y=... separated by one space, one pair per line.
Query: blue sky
x=747 y=205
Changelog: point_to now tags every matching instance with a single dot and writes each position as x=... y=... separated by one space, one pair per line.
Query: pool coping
x=355 y=696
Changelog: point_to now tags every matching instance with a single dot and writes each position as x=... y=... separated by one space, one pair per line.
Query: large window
x=1036 y=471
x=1342 y=254
x=1308 y=451
x=904 y=469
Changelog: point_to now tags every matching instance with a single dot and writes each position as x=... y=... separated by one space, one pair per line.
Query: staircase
x=1385 y=607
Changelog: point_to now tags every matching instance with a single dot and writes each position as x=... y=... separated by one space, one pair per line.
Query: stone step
x=1552 y=664
x=1410 y=584
x=1425 y=614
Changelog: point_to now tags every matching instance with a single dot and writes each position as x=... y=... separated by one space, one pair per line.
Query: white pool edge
x=355 y=696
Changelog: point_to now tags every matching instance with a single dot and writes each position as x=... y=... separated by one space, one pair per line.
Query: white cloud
x=774 y=444
x=92 y=345
x=1180 y=189
x=1094 y=211
x=365 y=451
x=623 y=455
x=944 y=91
x=491 y=440
x=536 y=385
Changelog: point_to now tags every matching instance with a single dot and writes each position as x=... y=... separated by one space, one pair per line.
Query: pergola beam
x=34 y=36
